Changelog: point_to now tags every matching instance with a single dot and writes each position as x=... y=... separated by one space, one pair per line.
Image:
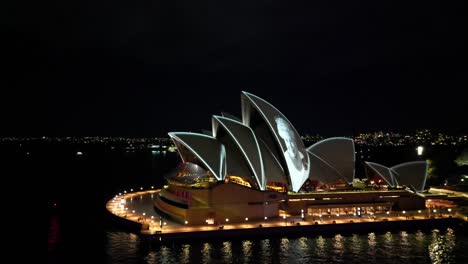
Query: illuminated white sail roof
x=335 y=153
x=284 y=141
x=271 y=166
x=247 y=144
x=201 y=149
x=412 y=174
x=384 y=172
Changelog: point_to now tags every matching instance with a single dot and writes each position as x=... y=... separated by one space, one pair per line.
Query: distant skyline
x=134 y=69
x=387 y=137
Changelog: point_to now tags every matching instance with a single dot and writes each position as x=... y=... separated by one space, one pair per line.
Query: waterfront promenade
x=136 y=209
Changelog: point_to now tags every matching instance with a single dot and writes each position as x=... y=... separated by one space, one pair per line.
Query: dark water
x=437 y=246
x=78 y=231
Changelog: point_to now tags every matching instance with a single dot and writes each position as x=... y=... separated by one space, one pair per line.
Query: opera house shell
x=264 y=150
x=411 y=174
x=247 y=167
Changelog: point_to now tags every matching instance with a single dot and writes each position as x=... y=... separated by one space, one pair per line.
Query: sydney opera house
x=257 y=167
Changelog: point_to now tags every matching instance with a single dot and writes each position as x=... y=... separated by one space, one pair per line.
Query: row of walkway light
x=131 y=190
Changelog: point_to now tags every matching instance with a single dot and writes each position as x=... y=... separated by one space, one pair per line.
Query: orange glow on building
x=238 y=180
x=276 y=187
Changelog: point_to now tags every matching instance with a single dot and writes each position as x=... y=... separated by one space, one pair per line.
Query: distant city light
x=420 y=150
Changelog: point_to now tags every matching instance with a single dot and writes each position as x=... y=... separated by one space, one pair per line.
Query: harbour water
x=436 y=246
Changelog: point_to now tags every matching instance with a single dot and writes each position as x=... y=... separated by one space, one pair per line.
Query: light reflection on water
x=206 y=253
x=442 y=246
x=437 y=246
x=227 y=252
x=371 y=240
x=372 y=252
x=284 y=247
x=247 y=249
x=185 y=254
x=300 y=247
x=265 y=250
x=356 y=247
x=338 y=248
x=388 y=245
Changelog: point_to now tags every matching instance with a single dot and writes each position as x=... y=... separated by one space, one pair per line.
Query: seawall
x=310 y=230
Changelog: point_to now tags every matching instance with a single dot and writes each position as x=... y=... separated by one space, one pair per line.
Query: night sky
x=144 y=68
